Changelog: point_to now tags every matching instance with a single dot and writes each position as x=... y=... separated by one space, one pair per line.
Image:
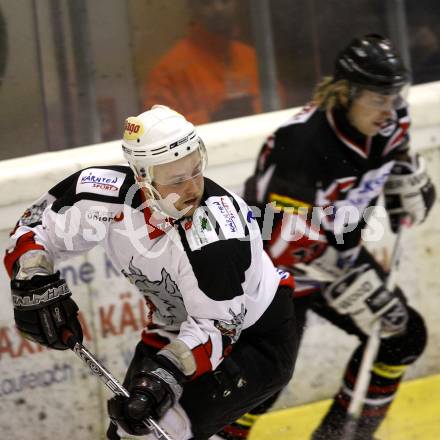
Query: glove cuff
x=159 y=368
x=26 y=296
x=172 y=383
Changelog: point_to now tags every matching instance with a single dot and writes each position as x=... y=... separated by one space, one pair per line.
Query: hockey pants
x=264 y=357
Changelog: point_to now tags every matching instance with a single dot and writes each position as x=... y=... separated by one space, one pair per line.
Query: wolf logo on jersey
x=232 y=329
x=163 y=295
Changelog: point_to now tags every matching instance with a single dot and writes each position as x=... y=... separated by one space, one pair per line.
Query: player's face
x=183 y=177
x=369 y=111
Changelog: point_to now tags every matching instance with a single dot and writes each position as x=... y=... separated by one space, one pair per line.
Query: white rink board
x=45 y=395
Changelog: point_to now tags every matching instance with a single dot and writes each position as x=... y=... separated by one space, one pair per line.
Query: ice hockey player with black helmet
x=220 y=314
x=323 y=171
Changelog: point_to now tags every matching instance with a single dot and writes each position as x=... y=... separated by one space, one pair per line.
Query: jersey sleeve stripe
x=202 y=354
x=24 y=244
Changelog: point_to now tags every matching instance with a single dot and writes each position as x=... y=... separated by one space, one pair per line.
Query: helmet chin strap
x=163 y=206
x=167 y=206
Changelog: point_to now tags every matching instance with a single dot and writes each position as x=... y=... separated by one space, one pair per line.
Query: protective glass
x=178 y=172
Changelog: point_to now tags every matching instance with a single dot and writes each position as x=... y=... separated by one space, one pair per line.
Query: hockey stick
x=370 y=353
x=107 y=379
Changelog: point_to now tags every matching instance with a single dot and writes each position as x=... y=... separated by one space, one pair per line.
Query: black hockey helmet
x=372 y=62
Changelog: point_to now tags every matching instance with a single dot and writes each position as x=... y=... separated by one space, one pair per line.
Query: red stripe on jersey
x=300 y=249
x=154 y=230
x=25 y=243
x=336 y=188
x=362 y=150
x=289 y=281
x=202 y=355
x=305 y=292
x=265 y=152
x=397 y=137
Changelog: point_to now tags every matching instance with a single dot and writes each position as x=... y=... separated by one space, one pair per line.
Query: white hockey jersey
x=204 y=278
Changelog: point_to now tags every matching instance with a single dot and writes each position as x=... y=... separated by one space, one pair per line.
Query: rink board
x=414 y=415
x=43 y=393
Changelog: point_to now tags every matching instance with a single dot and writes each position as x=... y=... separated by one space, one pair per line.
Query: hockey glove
x=409 y=192
x=42 y=305
x=155 y=386
x=361 y=294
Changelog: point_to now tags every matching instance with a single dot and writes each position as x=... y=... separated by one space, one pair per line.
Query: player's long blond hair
x=329 y=93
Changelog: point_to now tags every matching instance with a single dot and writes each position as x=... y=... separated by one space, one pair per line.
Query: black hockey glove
x=42 y=305
x=361 y=294
x=155 y=386
x=409 y=192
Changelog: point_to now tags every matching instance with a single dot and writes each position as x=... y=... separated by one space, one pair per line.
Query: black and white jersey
x=205 y=278
x=323 y=175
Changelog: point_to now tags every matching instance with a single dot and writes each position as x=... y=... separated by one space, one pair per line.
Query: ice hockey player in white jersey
x=222 y=315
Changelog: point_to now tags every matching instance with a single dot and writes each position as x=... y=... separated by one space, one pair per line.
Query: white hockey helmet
x=155 y=137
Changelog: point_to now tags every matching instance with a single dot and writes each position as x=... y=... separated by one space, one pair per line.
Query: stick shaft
x=363 y=377
x=108 y=379
x=99 y=371
x=370 y=353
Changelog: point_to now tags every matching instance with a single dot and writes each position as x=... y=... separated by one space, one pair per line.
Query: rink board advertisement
x=50 y=394
x=45 y=392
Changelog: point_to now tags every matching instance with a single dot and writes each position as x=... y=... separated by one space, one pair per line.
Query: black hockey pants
x=264 y=357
